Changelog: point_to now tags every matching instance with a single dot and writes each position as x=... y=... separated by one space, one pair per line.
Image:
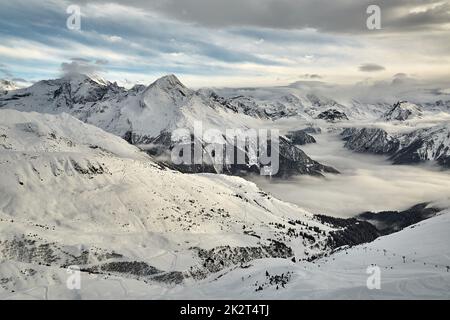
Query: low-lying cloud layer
x=367 y=183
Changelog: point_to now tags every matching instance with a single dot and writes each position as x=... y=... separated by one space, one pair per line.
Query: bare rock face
x=294 y=161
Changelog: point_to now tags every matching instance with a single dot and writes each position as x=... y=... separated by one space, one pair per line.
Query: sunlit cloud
x=146 y=39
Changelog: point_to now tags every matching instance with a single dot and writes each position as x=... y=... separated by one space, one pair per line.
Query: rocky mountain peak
x=403 y=110
x=168 y=82
x=167 y=90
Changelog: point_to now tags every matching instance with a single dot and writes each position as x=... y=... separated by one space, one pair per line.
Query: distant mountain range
x=146 y=116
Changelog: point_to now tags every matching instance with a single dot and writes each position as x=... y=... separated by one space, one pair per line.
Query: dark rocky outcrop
x=292 y=160
x=392 y=221
x=402 y=111
x=429 y=144
x=219 y=258
x=312 y=130
x=368 y=226
x=332 y=115
x=352 y=232
x=300 y=137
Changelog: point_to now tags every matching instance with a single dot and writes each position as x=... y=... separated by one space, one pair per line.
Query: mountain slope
x=425 y=145
x=372 y=140
x=420 y=145
x=402 y=111
x=71 y=193
x=74 y=94
x=413 y=265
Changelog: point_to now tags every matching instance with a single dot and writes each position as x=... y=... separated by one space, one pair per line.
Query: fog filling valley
x=366 y=182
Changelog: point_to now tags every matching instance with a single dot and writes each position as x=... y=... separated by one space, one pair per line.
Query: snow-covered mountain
x=332 y=115
x=413 y=264
x=147 y=116
x=7 y=85
x=284 y=102
x=71 y=193
x=309 y=99
x=74 y=93
x=144 y=111
x=372 y=140
x=402 y=111
x=425 y=144
x=420 y=145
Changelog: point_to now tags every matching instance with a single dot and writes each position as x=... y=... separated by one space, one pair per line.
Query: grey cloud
x=19 y=80
x=82 y=60
x=311 y=76
x=433 y=16
x=80 y=65
x=400 y=75
x=402 y=79
x=101 y=61
x=371 y=67
x=324 y=15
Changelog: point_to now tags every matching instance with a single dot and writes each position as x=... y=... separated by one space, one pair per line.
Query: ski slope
x=342 y=275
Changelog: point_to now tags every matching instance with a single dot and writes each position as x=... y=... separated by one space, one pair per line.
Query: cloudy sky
x=227 y=43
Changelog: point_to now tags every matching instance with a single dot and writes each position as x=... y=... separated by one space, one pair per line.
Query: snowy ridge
x=402 y=111
x=163 y=105
x=424 y=145
x=73 y=94
x=294 y=101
